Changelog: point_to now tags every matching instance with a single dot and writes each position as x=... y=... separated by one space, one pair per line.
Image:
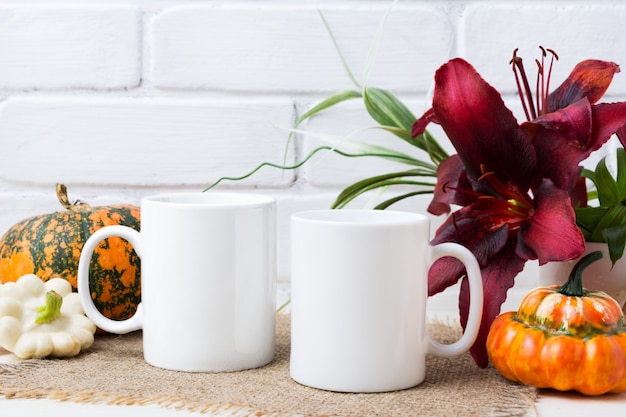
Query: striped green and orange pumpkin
x=49 y=246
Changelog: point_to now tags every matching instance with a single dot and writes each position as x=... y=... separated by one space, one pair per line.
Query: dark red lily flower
x=513 y=181
x=567 y=125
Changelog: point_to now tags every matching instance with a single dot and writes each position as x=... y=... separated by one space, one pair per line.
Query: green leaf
x=395 y=117
x=319 y=107
x=347 y=147
x=399 y=132
x=374 y=48
x=616 y=240
x=425 y=169
x=621 y=173
x=272 y=165
x=387 y=110
x=368 y=149
x=434 y=149
x=606 y=223
x=615 y=216
x=328 y=103
x=587 y=173
x=608 y=193
x=587 y=219
x=343 y=59
x=368 y=184
x=385 y=204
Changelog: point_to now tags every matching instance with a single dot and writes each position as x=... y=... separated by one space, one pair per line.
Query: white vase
x=597 y=276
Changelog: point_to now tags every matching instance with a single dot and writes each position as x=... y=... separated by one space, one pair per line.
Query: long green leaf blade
x=328 y=103
x=395 y=117
x=615 y=216
x=616 y=241
x=336 y=45
x=587 y=219
x=608 y=194
x=385 y=204
x=354 y=148
x=621 y=173
x=367 y=184
x=319 y=107
x=387 y=110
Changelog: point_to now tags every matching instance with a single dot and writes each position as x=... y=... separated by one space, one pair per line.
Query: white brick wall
x=150 y=142
x=135 y=97
x=69 y=47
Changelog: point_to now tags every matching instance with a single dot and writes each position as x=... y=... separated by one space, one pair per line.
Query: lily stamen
x=538 y=106
x=506 y=192
x=555 y=57
x=539 y=102
x=519 y=209
x=525 y=93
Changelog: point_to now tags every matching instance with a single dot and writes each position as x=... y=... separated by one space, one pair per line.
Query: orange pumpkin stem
x=65 y=201
x=574 y=285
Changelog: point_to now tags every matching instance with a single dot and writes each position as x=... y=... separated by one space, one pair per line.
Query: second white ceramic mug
x=358 y=302
x=208 y=272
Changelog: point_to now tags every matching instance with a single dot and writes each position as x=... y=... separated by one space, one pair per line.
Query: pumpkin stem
x=574 y=285
x=65 y=201
x=51 y=310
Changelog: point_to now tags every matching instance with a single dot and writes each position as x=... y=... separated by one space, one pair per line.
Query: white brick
x=69 y=46
x=141 y=142
x=490 y=32
x=287 y=48
x=15 y=207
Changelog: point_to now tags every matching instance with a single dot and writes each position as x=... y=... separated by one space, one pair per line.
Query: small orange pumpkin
x=49 y=246
x=565 y=338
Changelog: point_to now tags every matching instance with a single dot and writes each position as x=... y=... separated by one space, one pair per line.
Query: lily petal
x=559 y=156
x=497 y=278
x=484 y=235
x=478 y=227
x=551 y=234
x=608 y=118
x=573 y=122
x=451 y=182
x=621 y=135
x=444 y=273
x=578 y=193
x=477 y=234
x=590 y=78
x=484 y=132
x=420 y=124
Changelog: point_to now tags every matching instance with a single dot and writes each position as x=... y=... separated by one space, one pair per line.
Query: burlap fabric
x=113 y=371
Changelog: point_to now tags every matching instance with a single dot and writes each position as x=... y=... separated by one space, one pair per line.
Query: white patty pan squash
x=39 y=319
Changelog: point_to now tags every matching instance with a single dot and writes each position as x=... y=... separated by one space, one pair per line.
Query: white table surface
x=550 y=403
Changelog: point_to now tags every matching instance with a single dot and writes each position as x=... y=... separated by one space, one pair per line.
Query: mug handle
x=476 y=299
x=112 y=326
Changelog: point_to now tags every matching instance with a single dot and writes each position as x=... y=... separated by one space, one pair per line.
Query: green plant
x=391 y=115
x=507 y=191
x=606 y=222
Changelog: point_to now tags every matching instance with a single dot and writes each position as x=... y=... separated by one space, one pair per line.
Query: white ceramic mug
x=358 y=302
x=208 y=280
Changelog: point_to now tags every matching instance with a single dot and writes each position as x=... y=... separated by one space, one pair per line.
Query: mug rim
x=359 y=217
x=209 y=199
